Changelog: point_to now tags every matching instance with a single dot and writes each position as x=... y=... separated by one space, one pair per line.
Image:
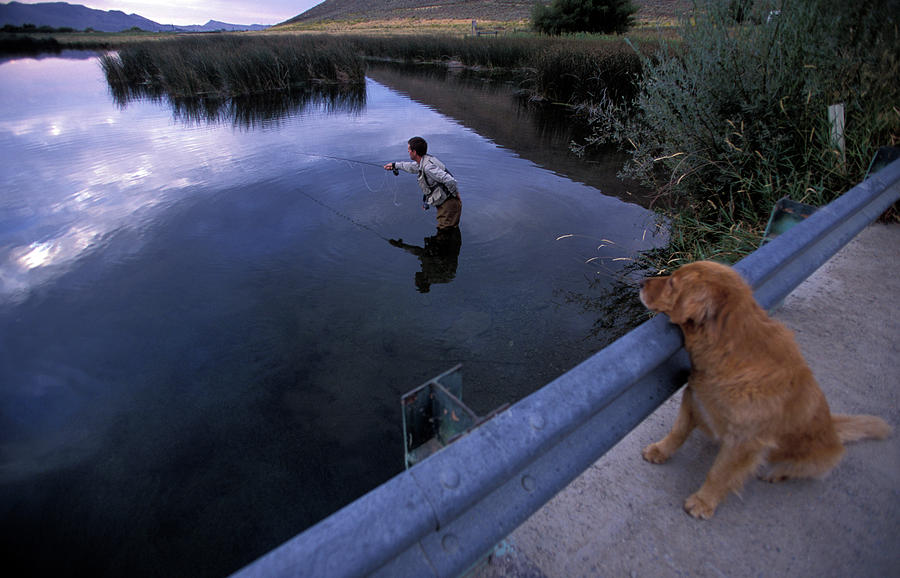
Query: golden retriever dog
x=750 y=388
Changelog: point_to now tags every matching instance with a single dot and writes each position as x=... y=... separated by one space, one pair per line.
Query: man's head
x=417 y=148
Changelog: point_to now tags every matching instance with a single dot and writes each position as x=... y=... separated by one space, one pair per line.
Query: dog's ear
x=698 y=305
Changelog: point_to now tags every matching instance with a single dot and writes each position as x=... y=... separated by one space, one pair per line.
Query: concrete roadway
x=624 y=517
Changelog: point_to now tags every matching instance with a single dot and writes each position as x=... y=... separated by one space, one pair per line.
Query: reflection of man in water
x=437 y=184
x=439 y=257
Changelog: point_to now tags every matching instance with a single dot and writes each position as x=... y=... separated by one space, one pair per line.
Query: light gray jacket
x=436 y=182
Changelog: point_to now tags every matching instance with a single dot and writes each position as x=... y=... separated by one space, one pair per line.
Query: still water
x=206 y=333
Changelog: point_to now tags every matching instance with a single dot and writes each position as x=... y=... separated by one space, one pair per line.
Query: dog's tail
x=851 y=428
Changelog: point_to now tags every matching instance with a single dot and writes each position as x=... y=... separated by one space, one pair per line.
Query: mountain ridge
x=80 y=17
x=493 y=10
x=502 y=10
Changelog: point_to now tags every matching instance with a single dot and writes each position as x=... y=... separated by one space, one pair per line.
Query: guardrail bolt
x=528 y=483
x=450 y=543
x=450 y=479
x=536 y=421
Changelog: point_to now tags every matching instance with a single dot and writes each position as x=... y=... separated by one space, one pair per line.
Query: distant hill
x=214 y=25
x=502 y=10
x=64 y=15
x=78 y=17
x=498 y=10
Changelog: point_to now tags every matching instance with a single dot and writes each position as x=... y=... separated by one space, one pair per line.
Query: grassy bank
x=405 y=26
x=736 y=117
x=14 y=43
x=570 y=70
x=35 y=42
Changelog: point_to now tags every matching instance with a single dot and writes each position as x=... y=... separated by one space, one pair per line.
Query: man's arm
x=407 y=166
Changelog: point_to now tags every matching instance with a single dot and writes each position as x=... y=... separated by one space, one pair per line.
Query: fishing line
x=317 y=155
x=362 y=164
x=384 y=184
x=342 y=215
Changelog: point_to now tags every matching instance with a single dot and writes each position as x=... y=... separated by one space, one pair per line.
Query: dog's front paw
x=654 y=454
x=699 y=508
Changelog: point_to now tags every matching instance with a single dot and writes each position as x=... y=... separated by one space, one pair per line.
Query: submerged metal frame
x=434 y=415
x=441 y=516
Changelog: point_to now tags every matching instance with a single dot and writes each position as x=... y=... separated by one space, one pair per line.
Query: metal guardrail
x=441 y=516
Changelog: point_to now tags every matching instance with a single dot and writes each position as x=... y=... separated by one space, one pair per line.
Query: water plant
x=574 y=70
x=230 y=65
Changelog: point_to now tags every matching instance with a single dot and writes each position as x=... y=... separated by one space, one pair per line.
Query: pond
x=206 y=331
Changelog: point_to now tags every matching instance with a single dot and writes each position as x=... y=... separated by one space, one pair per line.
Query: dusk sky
x=184 y=12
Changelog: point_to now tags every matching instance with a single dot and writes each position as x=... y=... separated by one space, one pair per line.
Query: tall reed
x=574 y=71
x=231 y=65
x=570 y=70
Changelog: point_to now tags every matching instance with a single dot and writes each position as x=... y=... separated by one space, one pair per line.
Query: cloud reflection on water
x=77 y=169
x=197 y=319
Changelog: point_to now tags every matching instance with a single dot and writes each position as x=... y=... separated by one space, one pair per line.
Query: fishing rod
x=333 y=158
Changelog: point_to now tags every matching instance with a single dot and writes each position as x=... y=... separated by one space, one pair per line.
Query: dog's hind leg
x=685 y=423
x=804 y=457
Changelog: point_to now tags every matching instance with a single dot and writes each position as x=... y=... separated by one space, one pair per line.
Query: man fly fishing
x=438 y=185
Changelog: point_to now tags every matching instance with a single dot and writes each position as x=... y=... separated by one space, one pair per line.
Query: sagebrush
x=735 y=116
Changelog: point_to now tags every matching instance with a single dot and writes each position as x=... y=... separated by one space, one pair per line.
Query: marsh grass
x=12 y=43
x=224 y=66
x=33 y=43
x=576 y=71
x=487 y=52
x=569 y=74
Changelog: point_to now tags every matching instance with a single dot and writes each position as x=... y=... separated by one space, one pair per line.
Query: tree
x=566 y=16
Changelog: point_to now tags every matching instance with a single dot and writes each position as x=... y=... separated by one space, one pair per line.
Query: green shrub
x=568 y=16
x=736 y=116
